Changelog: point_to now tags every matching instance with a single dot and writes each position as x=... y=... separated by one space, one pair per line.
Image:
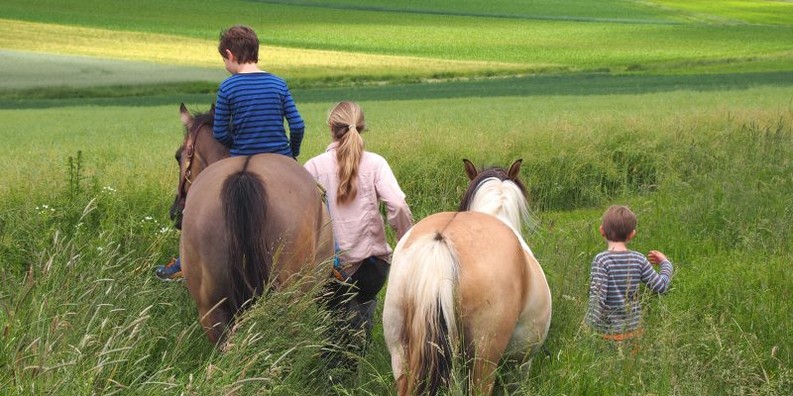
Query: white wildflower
x=44 y=208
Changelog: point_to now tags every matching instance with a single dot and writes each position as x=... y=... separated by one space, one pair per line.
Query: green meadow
x=682 y=110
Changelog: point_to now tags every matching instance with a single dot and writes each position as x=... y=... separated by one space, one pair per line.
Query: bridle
x=189 y=151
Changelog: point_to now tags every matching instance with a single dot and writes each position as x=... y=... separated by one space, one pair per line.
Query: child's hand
x=656 y=257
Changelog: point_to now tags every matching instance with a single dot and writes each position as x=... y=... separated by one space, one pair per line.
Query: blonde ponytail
x=346 y=123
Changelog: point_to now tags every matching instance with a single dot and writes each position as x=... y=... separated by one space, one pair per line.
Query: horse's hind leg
x=489 y=343
x=483 y=376
x=214 y=320
x=213 y=313
x=393 y=332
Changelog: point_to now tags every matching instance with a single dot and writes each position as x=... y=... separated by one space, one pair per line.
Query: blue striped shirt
x=614 y=305
x=250 y=112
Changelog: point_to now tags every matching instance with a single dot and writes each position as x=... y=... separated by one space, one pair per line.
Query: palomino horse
x=464 y=284
x=249 y=224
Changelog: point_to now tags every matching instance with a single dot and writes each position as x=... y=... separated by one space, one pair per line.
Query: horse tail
x=430 y=321
x=243 y=199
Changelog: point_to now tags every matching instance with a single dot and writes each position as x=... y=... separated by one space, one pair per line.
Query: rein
x=338 y=271
x=192 y=137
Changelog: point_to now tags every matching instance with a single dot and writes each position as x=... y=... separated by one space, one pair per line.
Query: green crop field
x=681 y=109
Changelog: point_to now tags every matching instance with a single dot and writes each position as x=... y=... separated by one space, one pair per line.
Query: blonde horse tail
x=243 y=199
x=430 y=320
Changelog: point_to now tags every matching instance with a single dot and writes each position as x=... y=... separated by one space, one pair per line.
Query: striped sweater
x=250 y=112
x=614 y=305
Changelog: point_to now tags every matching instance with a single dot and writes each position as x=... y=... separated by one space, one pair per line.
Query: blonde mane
x=505 y=200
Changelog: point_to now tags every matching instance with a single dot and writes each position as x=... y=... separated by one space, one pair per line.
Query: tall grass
x=712 y=333
x=82 y=222
x=705 y=161
x=80 y=315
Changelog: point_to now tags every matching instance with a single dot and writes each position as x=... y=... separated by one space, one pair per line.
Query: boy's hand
x=656 y=257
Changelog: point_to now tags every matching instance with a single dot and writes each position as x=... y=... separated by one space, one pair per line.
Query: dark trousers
x=352 y=305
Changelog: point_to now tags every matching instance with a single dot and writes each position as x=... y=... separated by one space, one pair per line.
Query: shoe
x=169 y=272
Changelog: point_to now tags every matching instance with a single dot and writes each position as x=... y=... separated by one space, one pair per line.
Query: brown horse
x=249 y=224
x=465 y=284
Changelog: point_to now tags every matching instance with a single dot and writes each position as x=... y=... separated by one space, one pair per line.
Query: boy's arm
x=295 y=140
x=598 y=290
x=657 y=282
x=220 y=129
x=296 y=125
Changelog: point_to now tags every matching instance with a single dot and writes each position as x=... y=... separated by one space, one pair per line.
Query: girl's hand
x=656 y=257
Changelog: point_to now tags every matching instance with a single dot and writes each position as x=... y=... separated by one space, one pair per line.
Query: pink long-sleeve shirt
x=358 y=227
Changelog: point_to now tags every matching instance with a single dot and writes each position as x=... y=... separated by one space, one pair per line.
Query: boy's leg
x=625 y=342
x=171 y=271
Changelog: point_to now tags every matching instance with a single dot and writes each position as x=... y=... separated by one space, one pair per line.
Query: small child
x=250 y=110
x=252 y=104
x=614 y=306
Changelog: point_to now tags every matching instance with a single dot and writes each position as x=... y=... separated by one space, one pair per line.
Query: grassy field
x=682 y=110
x=302 y=42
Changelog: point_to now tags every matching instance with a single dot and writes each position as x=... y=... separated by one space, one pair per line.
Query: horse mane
x=493 y=192
x=487 y=173
x=200 y=119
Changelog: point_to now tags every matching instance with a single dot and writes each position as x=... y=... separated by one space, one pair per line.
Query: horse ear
x=514 y=169
x=470 y=169
x=187 y=118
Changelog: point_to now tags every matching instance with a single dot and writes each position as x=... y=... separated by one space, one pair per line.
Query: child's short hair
x=618 y=223
x=242 y=41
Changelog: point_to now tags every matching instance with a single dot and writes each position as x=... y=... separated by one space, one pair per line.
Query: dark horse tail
x=243 y=199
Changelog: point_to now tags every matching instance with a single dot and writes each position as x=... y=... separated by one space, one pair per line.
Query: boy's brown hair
x=618 y=223
x=242 y=42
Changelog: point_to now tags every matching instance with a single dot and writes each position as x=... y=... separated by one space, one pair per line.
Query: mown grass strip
x=573 y=45
x=535 y=86
x=527 y=11
x=733 y=12
x=185 y=51
x=36 y=74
